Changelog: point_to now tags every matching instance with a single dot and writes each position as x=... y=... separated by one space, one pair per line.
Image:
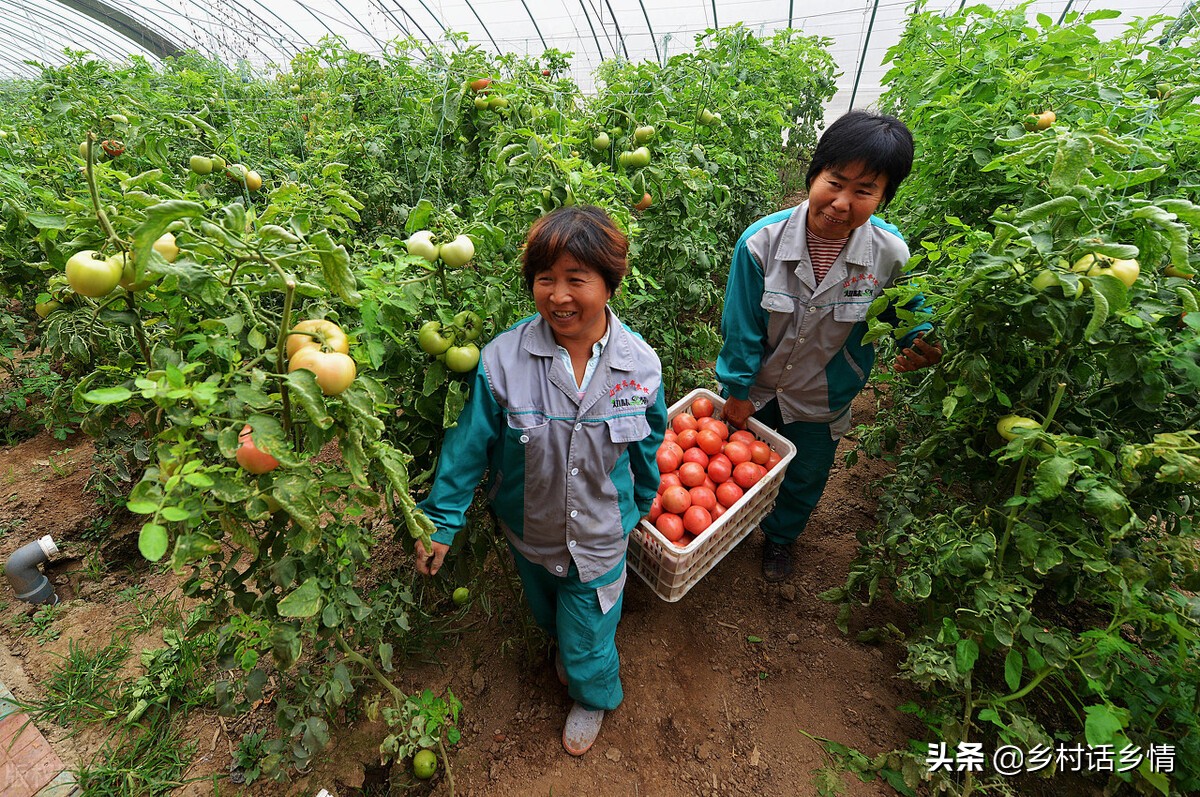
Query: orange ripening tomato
x=676 y=500
x=704 y=497
x=760 y=452
x=742 y=436
x=737 y=452
x=667 y=459
x=683 y=421
x=747 y=474
x=687 y=439
x=702 y=407
x=709 y=442
x=696 y=519
x=691 y=474
x=670 y=525
x=251 y=457
x=667 y=480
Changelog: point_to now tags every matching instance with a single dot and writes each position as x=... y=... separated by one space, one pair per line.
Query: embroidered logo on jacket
x=859 y=286
x=619 y=395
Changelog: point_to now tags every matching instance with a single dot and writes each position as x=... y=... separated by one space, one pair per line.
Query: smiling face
x=842 y=198
x=572 y=298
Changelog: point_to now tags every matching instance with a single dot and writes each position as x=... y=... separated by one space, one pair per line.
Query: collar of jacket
x=617 y=353
x=793 y=244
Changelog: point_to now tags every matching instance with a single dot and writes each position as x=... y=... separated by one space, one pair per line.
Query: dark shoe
x=777 y=561
x=559 y=669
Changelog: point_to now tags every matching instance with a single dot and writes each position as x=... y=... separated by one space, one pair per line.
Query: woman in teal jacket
x=800 y=285
x=565 y=416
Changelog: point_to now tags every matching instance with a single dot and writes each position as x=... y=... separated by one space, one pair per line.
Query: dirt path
x=708 y=710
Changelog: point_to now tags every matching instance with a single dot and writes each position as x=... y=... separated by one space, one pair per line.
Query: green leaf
x=107 y=395
x=418 y=217
x=1099 y=314
x=152 y=541
x=154 y=224
x=1014 y=663
x=1104 y=723
x=1052 y=476
x=304 y=601
x=145 y=498
x=753 y=639
x=304 y=387
x=1156 y=779
x=190 y=547
x=966 y=653
x=335 y=267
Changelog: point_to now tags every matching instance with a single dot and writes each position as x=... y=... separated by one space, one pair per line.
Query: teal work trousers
x=569 y=611
x=805 y=478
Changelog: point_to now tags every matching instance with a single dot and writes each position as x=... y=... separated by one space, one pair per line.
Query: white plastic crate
x=670 y=571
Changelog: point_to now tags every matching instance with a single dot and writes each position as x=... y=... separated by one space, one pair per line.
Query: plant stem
x=362 y=661
x=446 y=764
x=1014 y=511
x=1029 y=687
x=285 y=324
x=109 y=232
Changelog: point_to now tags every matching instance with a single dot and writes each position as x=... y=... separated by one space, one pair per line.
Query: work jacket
x=569 y=478
x=790 y=339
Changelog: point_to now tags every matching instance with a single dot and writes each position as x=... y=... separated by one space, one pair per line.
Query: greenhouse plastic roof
x=266 y=34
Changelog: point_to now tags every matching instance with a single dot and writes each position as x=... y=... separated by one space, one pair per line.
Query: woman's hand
x=429 y=563
x=921 y=355
x=737 y=412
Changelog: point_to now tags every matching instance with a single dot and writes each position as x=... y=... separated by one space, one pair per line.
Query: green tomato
x=461 y=596
x=638 y=158
x=481 y=102
x=458 y=252
x=44 y=309
x=1010 y=427
x=421 y=243
x=218 y=162
x=432 y=340
x=495 y=102
x=1044 y=279
x=642 y=135
x=470 y=323
x=200 y=164
x=90 y=276
x=462 y=359
x=424 y=764
x=601 y=142
x=707 y=117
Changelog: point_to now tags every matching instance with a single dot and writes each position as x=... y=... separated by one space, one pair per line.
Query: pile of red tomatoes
x=705 y=469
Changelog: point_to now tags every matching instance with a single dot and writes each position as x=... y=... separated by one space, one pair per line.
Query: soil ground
x=708 y=709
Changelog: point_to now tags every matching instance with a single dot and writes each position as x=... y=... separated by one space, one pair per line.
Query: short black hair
x=883 y=143
x=587 y=233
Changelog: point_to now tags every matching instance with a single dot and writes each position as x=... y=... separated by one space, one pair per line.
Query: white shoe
x=581 y=729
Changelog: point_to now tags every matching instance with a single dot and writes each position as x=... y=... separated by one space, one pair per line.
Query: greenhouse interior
x=685 y=399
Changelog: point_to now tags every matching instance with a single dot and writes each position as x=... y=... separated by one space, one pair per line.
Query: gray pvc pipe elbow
x=27 y=581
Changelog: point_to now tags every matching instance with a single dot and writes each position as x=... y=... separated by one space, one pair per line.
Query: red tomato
x=760 y=452
x=655 y=509
x=251 y=457
x=710 y=484
x=696 y=519
x=687 y=439
x=773 y=460
x=691 y=474
x=667 y=480
x=709 y=441
x=737 y=452
x=683 y=421
x=667 y=459
x=676 y=500
x=702 y=407
x=720 y=468
x=697 y=456
x=718 y=511
x=747 y=474
x=670 y=525
x=713 y=425
x=683 y=541
x=703 y=497
x=670 y=436
x=728 y=493
x=743 y=436
x=675 y=447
